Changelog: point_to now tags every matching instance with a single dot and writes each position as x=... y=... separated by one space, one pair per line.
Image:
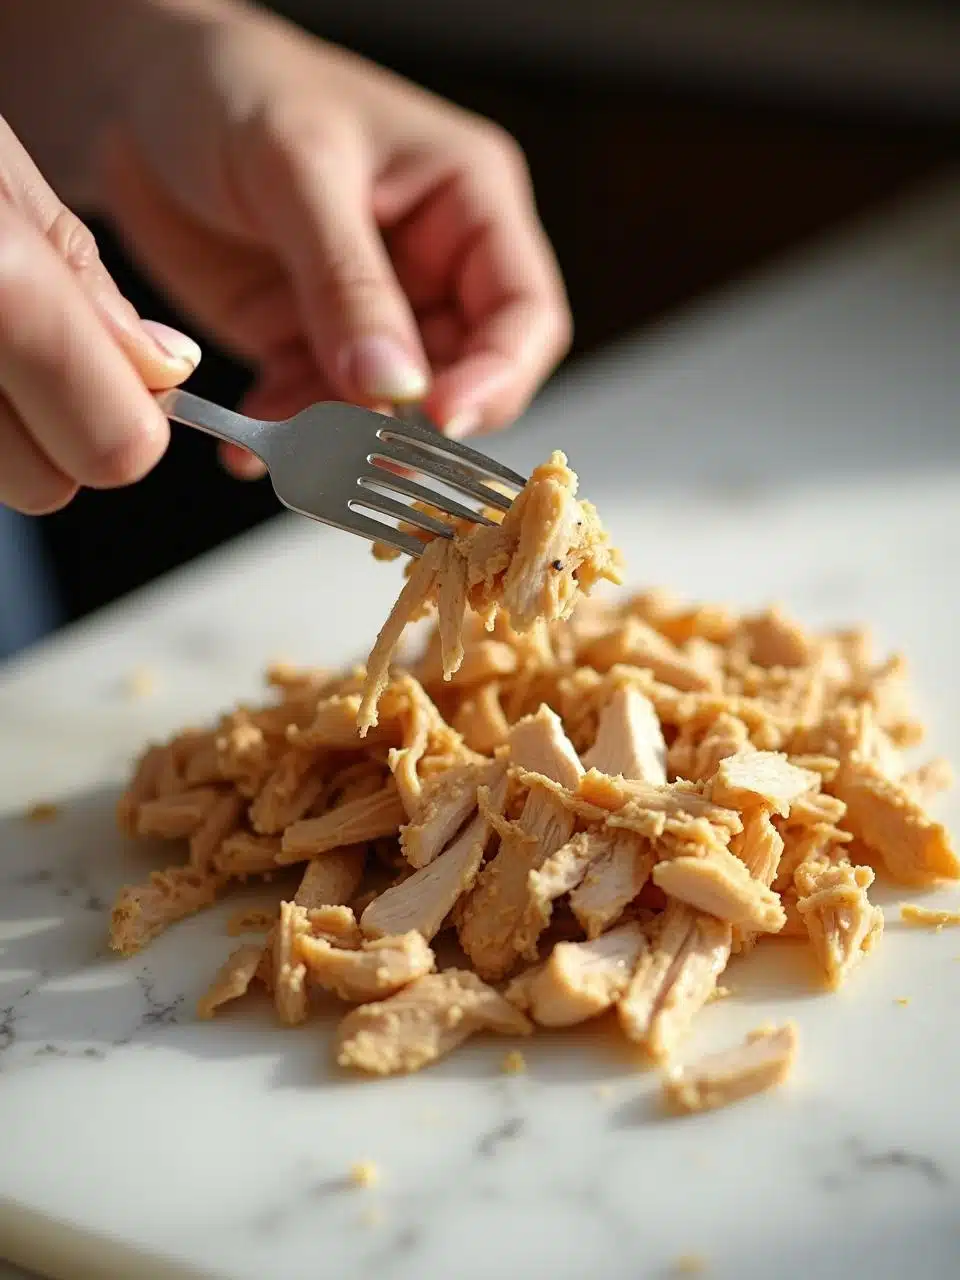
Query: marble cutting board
x=798 y=440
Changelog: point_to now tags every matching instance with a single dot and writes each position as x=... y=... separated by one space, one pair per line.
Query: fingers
x=63 y=375
x=313 y=192
x=29 y=482
x=163 y=356
x=477 y=239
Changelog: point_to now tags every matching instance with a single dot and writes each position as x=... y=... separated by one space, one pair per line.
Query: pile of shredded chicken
x=589 y=812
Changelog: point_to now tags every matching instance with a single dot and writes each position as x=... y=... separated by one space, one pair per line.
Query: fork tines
x=410 y=445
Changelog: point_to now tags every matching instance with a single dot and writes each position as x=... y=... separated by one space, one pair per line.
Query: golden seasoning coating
x=601 y=801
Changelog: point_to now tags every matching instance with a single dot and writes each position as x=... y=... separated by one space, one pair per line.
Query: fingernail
x=174 y=344
x=462 y=424
x=382 y=370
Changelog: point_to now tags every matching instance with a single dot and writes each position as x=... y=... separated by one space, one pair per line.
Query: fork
x=333 y=462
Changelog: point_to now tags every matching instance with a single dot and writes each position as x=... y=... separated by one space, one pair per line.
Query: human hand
x=348 y=234
x=76 y=361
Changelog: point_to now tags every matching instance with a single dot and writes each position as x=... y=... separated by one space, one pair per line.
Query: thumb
x=315 y=198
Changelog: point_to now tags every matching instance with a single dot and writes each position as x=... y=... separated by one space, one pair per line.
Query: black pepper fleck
x=558 y=564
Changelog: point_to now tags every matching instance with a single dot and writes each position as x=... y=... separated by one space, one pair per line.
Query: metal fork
x=332 y=462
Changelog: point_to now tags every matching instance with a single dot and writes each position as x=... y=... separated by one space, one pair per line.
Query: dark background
x=654 y=188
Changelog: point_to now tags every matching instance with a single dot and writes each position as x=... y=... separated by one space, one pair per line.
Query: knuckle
x=349 y=284
x=499 y=148
x=74 y=242
x=294 y=130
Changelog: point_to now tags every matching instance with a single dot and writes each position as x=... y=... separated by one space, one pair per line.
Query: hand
x=348 y=234
x=76 y=361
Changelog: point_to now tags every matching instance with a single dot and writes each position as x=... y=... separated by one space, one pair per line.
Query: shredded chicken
x=142 y=912
x=580 y=979
x=676 y=976
x=763 y=1061
x=927 y=917
x=546 y=548
x=232 y=981
x=607 y=799
x=377 y=968
x=842 y=924
x=423 y=1022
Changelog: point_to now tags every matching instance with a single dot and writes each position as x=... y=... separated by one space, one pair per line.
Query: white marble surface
x=799 y=439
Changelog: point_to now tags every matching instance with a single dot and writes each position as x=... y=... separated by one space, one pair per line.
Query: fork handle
x=234 y=428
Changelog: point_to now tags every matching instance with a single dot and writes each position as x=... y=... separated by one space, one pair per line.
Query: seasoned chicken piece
x=764 y=777
x=334 y=726
x=492 y=914
x=629 y=739
x=447 y=802
x=548 y=546
x=244 y=854
x=560 y=873
x=142 y=787
x=927 y=917
x=774 y=640
x=333 y=878
x=637 y=644
x=763 y=1061
x=288 y=793
x=675 y=814
x=379 y=968
x=174 y=816
x=336 y=925
x=889 y=819
x=721 y=885
x=418 y=591
x=841 y=922
x=759 y=846
x=424 y=900
x=481 y=721
x=289 y=971
x=423 y=1022
x=425 y=735
x=232 y=981
x=611 y=882
x=696 y=756
x=142 y=911
x=816 y=809
x=246 y=754
x=483 y=660
x=352 y=823
x=680 y=623
x=222 y=820
x=580 y=979
x=674 y=978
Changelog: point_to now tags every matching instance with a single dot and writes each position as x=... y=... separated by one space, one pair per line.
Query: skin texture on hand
x=347 y=233
x=76 y=361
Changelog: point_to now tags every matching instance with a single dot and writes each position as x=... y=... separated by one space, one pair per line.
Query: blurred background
x=674 y=146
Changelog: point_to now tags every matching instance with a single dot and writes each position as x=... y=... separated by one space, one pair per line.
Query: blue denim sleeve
x=28 y=603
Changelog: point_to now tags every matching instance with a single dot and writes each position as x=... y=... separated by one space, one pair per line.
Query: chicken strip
x=333 y=878
x=423 y=1022
x=232 y=981
x=492 y=915
x=580 y=979
x=367 y=818
x=764 y=777
x=629 y=739
x=674 y=978
x=721 y=885
x=424 y=900
x=763 y=1061
x=612 y=881
x=842 y=924
x=142 y=912
x=380 y=967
